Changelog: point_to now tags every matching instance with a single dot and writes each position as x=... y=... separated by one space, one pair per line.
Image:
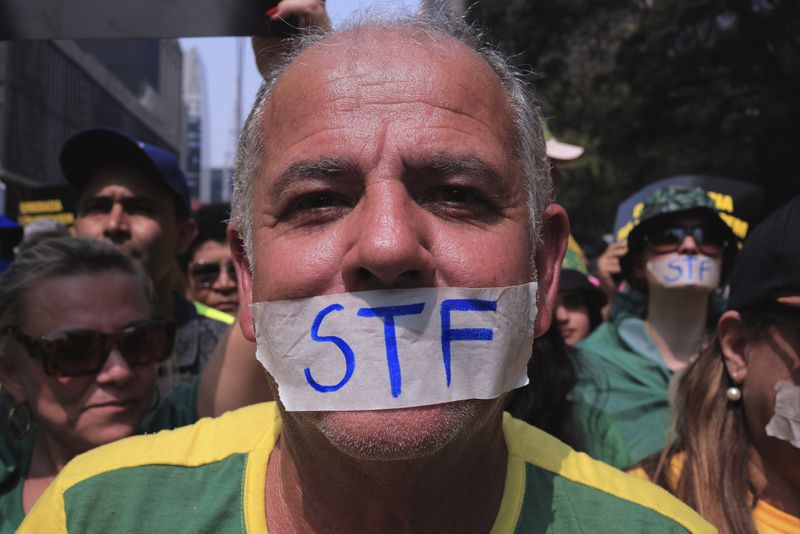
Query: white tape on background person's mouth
x=685 y=270
x=384 y=349
x=785 y=424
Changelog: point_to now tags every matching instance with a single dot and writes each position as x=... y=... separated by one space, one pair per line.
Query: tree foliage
x=654 y=88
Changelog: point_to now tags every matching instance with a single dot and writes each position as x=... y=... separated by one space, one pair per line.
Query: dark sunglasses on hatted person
x=710 y=240
x=206 y=273
x=84 y=352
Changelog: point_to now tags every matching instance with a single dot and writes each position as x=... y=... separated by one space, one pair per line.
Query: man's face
x=210 y=279
x=127 y=208
x=389 y=167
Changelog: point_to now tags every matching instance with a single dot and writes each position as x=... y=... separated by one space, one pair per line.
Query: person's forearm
x=303 y=13
x=233 y=377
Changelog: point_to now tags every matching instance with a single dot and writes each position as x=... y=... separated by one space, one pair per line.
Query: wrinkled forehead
x=394 y=65
x=64 y=301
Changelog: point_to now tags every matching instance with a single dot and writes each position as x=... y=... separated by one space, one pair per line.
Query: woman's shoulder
x=647 y=468
x=601 y=436
x=770 y=520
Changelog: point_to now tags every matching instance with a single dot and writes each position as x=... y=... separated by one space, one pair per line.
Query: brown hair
x=712 y=443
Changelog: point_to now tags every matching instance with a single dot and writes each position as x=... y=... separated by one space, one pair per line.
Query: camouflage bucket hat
x=666 y=201
x=674 y=199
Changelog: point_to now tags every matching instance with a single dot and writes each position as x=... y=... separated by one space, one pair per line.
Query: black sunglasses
x=84 y=352
x=206 y=273
x=664 y=239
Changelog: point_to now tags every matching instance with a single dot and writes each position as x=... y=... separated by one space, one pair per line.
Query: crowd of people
x=380 y=160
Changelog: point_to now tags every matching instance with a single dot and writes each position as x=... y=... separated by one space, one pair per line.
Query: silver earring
x=733 y=393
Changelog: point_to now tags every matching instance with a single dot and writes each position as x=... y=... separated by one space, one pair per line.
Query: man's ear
x=549 y=255
x=733 y=340
x=187 y=231
x=245 y=282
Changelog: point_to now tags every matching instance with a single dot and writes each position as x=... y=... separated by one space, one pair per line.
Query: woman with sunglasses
x=736 y=457
x=677 y=257
x=79 y=348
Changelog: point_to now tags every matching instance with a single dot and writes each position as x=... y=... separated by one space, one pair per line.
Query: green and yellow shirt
x=209 y=477
x=15 y=456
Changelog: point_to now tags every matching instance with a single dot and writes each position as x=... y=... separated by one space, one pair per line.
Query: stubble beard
x=402 y=434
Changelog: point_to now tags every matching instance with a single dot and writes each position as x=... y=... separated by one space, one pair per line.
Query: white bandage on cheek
x=376 y=350
x=785 y=424
x=685 y=270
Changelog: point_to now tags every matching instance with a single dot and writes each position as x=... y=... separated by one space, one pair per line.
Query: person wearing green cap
x=678 y=254
x=579 y=303
x=546 y=402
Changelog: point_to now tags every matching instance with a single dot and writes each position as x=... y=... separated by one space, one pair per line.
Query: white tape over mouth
x=685 y=270
x=385 y=349
x=785 y=424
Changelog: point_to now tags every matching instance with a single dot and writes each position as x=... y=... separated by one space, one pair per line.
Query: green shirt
x=600 y=435
x=620 y=372
x=15 y=456
x=210 y=477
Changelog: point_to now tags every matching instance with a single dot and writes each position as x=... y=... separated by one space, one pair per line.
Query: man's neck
x=676 y=320
x=312 y=487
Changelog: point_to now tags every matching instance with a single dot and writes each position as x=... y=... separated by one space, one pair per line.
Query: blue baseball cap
x=90 y=150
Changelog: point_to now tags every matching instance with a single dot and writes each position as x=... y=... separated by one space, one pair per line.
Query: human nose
x=224 y=282
x=688 y=245
x=115 y=369
x=389 y=247
x=116 y=224
x=561 y=314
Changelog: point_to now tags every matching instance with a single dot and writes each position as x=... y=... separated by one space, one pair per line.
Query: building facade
x=50 y=90
x=219 y=184
x=194 y=102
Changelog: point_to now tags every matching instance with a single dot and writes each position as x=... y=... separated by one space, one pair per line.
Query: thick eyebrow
x=446 y=166
x=321 y=169
x=95 y=200
x=436 y=167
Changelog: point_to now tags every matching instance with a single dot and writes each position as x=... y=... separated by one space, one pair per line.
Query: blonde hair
x=57 y=256
x=712 y=442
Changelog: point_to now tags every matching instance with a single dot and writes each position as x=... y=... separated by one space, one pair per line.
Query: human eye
x=96 y=205
x=316 y=207
x=458 y=201
x=136 y=206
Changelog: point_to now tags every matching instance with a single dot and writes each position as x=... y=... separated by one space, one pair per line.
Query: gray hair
x=52 y=257
x=527 y=136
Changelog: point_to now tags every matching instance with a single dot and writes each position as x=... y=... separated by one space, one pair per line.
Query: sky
x=219 y=58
